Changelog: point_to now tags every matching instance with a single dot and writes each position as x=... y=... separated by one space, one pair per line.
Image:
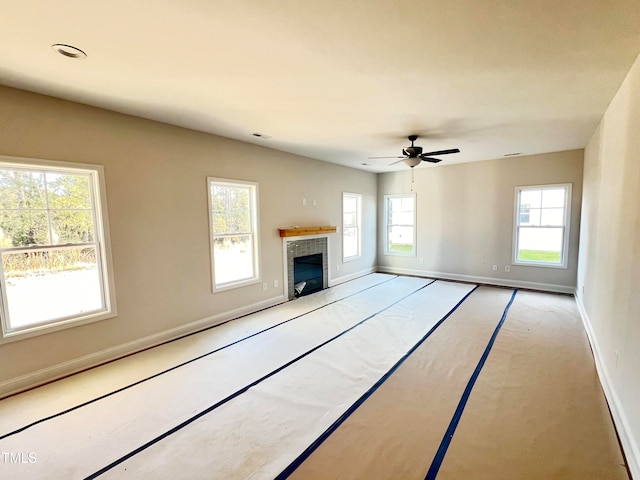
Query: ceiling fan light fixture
x=68 y=51
x=412 y=161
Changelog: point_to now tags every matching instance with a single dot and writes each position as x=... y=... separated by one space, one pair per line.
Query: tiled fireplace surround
x=301 y=248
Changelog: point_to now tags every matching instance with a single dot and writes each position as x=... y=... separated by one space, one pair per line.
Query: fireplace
x=306 y=263
x=307 y=274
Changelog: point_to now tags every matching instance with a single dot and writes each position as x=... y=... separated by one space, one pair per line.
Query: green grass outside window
x=539 y=256
x=401 y=247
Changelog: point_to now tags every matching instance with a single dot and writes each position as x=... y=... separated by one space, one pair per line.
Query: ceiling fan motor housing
x=412 y=151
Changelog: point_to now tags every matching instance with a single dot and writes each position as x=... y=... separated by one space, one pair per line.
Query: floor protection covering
x=536 y=410
x=108 y=379
x=74 y=438
x=375 y=378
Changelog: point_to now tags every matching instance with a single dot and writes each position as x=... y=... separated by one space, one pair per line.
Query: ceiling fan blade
x=371 y=158
x=441 y=152
x=431 y=160
x=402 y=159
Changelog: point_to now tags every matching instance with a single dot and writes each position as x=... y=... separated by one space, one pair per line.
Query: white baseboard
x=351 y=276
x=503 y=282
x=55 y=372
x=629 y=445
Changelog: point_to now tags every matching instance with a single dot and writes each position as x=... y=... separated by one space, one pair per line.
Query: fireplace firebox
x=307 y=274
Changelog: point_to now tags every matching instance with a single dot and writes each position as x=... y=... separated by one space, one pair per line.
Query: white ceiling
x=337 y=80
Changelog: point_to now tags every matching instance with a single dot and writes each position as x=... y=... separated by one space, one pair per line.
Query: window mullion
x=47 y=207
x=237 y=234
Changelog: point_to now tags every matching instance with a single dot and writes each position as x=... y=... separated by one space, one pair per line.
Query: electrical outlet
x=304 y=202
x=276 y=283
x=264 y=285
x=507 y=268
x=495 y=268
x=422 y=261
x=337 y=267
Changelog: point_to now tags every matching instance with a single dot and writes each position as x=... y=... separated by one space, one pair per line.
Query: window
x=400 y=215
x=54 y=270
x=351 y=226
x=233 y=222
x=542 y=225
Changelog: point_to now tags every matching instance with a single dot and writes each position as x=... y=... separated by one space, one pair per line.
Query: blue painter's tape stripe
x=334 y=426
x=448 y=436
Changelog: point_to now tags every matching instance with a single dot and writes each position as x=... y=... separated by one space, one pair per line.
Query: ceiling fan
x=413 y=155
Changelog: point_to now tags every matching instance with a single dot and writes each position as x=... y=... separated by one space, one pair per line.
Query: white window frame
x=102 y=244
x=358 y=225
x=254 y=224
x=387 y=199
x=565 y=227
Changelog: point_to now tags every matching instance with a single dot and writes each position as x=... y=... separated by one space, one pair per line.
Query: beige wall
x=157 y=199
x=609 y=263
x=465 y=218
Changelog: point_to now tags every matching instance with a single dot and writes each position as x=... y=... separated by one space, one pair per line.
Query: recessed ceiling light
x=68 y=50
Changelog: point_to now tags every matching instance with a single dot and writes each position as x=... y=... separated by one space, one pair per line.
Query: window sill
x=43 y=329
x=238 y=284
x=400 y=254
x=543 y=265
